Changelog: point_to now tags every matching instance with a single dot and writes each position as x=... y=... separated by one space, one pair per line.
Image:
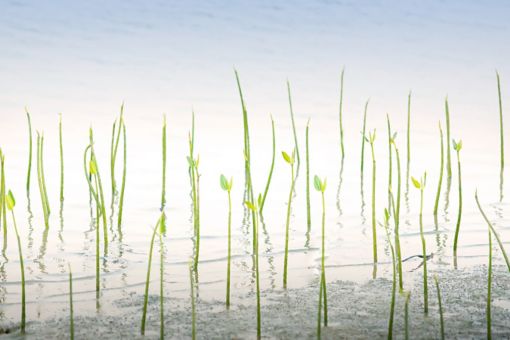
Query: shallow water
x=87 y=66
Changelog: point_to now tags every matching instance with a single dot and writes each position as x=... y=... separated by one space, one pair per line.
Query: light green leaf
x=386 y=215
x=416 y=184
x=162 y=224
x=93 y=167
x=324 y=184
x=230 y=183
x=11 y=202
x=317 y=183
x=259 y=200
x=224 y=183
x=286 y=157
x=250 y=205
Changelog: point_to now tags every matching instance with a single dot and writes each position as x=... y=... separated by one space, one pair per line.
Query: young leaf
x=454 y=144
x=386 y=215
x=416 y=184
x=93 y=167
x=162 y=224
x=324 y=184
x=11 y=202
x=224 y=183
x=317 y=183
x=230 y=183
x=250 y=205
x=259 y=200
x=286 y=157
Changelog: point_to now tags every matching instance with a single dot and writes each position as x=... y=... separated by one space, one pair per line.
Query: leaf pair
x=420 y=184
x=318 y=184
x=193 y=163
x=254 y=206
x=225 y=184
x=9 y=199
x=289 y=159
x=457 y=146
x=371 y=137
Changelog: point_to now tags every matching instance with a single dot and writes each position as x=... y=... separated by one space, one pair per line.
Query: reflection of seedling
x=11 y=202
x=296 y=146
x=395 y=209
x=363 y=138
x=41 y=180
x=158 y=229
x=436 y=204
x=61 y=149
x=440 y=306
x=71 y=309
x=254 y=207
x=320 y=186
x=163 y=183
x=494 y=232
x=227 y=186
x=489 y=287
x=408 y=138
x=124 y=169
x=29 y=170
x=340 y=114
x=3 y=205
x=308 y=215
x=116 y=131
x=290 y=160
x=371 y=140
x=502 y=146
x=394 y=283
x=406 y=314
x=457 y=146
x=448 y=153
x=420 y=185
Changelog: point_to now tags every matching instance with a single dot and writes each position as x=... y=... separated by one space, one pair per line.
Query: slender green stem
x=439 y=302
x=271 y=168
x=493 y=231
x=340 y=113
x=163 y=182
x=396 y=218
x=71 y=309
x=99 y=192
x=40 y=179
x=394 y=284
x=117 y=129
x=424 y=253
x=308 y=215
x=459 y=216
x=489 y=287
x=22 y=268
x=147 y=281
x=123 y=185
x=3 y=206
x=98 y=240
x=229 y=247
x=323 y=267
x=29 y=170
x=61 y=149
x=501 y=135
x=161 y=286
x=319 y=321
x=441 y=170
x=293 y=125
x=287 y=227
x=390 y=160
x=448 y=153
x=193 y=311
x=197 y=219
x=257 y=274
x=374 y=231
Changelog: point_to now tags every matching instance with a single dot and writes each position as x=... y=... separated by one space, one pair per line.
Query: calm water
x=84 y=60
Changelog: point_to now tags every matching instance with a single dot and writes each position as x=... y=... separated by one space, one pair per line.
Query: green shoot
x=320 y=186
x=254 y=207
x=501 y=136
x=29 y=170
x=163 y=183
x=395 y=208
x=227 y=186
x=408 y=138
x=363 y=138
x=296 y=146
x=371 y=140
x=394 y=282
x=162 y=280
x=340 y=114
x=195 y=181
x=3 y=205
x=420 y=185
x=271 y=168
x=308 y=215
x=441 y=320
x=61 y=149
x=457 y=146
x=290 y=160
x=441 y=169
x=390 y=159
x=11 y=202
x=117 y=129
x=493 y=231
x=123 y=185
x=41 y=181
x=158 y=229
x=71 y=309
x=448 y=154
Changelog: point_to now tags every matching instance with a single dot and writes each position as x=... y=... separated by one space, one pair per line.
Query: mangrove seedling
x=457 y=146
x=29 y=170
x=71 y=309
x=441 y=169
x=371 y=140
x=340 y=120
x=11 y=202
x=163 y=182
x=320 y=186
x=394 y=271
x=270 y=169
x=116 y=131
x=308 y=215
x=296 y=146
x=162 y=232
x=501 y=140
x=290 y=160
x=448 y=153
x=226 y=185
x=439 y=302
x=408 y=139
x=494 y=232
x=41 y=180
x=254 y=207
x=158 y=229
x=420 y=185
x=390 y=159
x=3 y=204
x=192 y=294
x=395 y=209
x=123 y=185
x=363 y=138
x=489 y=287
